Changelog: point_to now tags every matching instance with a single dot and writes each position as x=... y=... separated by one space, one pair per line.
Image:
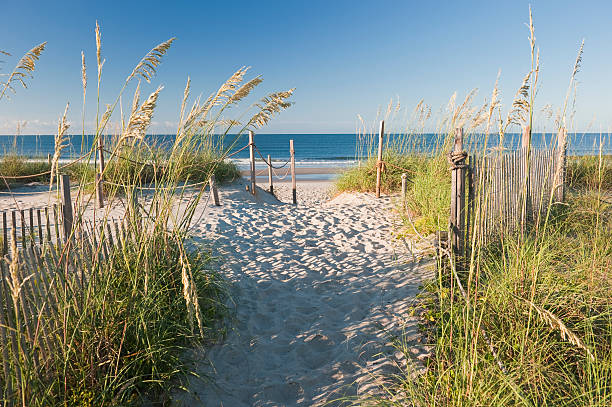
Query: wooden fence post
x=293 y=183
x=525 y=168
x=4 y=235
x=100 y=176
x=561 y=162
x=457 y=215
x=213 y=190
x=404 y=179
x=252 y=159
x=66 y=207
x=270 y=186
x=379 y=161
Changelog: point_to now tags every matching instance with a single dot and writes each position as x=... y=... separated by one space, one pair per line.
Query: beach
x=318 y=291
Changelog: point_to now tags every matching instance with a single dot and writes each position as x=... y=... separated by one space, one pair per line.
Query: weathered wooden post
x=14 y=227
x=379 y=162
x=525 y=168
x=404 y=179
x=49 y=160
x=561 y=162
x=100 y=175
x=293 y=183
x=252 y=159
x=213 y=190
x=270 y=186
x=4 y=235
x=457 y=215
x=67 y=217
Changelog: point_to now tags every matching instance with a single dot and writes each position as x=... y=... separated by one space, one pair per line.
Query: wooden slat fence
x=30 y=292
x=30 y=227
x=496 y=202
x=502 y=192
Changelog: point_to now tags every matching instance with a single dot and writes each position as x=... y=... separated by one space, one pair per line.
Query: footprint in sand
x=310 y=285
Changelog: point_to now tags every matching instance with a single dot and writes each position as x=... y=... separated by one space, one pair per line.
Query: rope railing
x=40 y=174
x=396 y=166
x=269 y=164
x=119 y=156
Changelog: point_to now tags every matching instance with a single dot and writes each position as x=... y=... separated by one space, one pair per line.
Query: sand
x=320 y=289
x=319 y=292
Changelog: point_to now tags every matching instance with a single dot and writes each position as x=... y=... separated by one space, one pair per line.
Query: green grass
x=129 y=335
x=122 y=336
x=13 y=165
x=428 y=186
x=583 y=172
x=564 y=270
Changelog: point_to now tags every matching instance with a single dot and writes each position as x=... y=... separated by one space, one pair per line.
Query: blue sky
x=343 y=57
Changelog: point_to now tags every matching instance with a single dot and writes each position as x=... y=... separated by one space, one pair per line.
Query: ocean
x=311 y=150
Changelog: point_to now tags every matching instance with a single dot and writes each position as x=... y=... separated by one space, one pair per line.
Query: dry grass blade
x=556 y=323
x=83 y=72
x=272 y=104
x=24 y=69
x=141 y=118
x=61 y=142
x=147 y=66
x=244 y=90
x=520 y=104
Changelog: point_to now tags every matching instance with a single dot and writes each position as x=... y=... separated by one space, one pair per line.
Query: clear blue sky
x=343 y=57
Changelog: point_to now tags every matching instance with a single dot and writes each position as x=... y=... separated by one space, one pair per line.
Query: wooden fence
x=501 y=191
x=30 y=292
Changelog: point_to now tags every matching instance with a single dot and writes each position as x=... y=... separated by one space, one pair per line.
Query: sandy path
x=320 y=292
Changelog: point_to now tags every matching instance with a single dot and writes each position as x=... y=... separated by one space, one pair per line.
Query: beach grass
x=525 y=320
x=121 y=334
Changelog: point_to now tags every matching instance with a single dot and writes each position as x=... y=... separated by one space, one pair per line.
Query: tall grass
x=525 y=319
x=120 y=327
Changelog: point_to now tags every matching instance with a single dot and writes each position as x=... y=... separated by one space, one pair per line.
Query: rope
x=156 y=188
x=396 y=166
x=46 y=172
x=236 y=152
x=284 y=176
x=46 y=191
x=112 y=153
x=456 y=158
x=269 y=164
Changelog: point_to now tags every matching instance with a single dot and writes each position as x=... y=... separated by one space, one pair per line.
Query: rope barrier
x=284 y=176
x=269 y=164
x=156 y=188
x=45 y=191
x=46 y=172
x=397 y=166
x=112 y=153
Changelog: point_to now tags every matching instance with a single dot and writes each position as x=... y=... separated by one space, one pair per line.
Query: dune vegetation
x=525 y=319
x=118 y=330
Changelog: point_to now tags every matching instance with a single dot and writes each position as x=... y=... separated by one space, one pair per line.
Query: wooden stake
x=66 y=207
x=404 y=177
x=525 y=167
x=100 y=175
x=252 y=158
x=270 y=186
x=293 y=183
x=379 y=162
x=213 y=190
x=561 y=160
x=457 y=216
x=4 y=235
